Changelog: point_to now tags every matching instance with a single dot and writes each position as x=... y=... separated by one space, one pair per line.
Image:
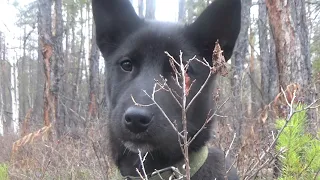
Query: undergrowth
x=4 y=175
x=300 y=151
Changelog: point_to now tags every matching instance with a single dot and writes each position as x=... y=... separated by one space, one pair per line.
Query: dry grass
x=67 y=158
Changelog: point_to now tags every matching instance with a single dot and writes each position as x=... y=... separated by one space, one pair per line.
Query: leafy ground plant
x=4 y=175
x=300 y=151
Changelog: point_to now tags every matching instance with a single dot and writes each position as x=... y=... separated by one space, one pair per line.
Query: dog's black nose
x=137 y=119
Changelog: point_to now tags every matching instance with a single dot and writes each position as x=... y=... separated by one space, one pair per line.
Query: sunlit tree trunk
x=141 y=8
x=14 y=93
x=150 y=9
x=182 y=11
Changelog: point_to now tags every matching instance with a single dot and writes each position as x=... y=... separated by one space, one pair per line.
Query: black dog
x=133 y=49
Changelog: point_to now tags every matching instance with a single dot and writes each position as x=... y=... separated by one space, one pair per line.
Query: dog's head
x=134 y=48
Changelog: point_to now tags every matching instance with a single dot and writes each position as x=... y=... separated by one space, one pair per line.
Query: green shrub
x=301 y=151
x=4 y=172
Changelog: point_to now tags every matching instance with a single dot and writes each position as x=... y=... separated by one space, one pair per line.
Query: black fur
x=123 y=37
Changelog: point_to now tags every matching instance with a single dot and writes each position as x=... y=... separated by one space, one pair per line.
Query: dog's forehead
x=159 y=35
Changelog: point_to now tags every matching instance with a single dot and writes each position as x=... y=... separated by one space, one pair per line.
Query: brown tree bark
x=46 y=45
x=287 y=20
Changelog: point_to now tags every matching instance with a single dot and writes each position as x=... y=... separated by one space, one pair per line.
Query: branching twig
x=183 y=81
x=142 y=159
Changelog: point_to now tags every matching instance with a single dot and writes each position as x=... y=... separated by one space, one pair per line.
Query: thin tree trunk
x=73 y=121
x=94 y=76
x=255 y=99
x=7 y=99
x=39 y=92
x=151 y=9
x=46 y=52
x=238 y=60
x=6 y=96
x=273 y=70
x=78 y=71
x=141 y=8
x=264 y=51
x=23 y=77
x=2 y=118
x=64 y=84
x=58 y=68
x=182 y=11
x=190 y=14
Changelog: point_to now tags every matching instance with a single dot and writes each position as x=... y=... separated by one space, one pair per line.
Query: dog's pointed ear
x=115 y=20
x=221 y=20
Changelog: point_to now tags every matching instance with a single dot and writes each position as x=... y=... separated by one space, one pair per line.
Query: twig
x=164 y=113
x=184 y=119
x=234 y=137
x=202 y=86
x=142 y=159
x=207 y=121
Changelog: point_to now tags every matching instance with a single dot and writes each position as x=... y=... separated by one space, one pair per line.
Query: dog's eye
x=126 y=65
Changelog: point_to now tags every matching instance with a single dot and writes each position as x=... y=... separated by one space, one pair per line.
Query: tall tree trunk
x=141 y=7
x=78 y=70
x=182 y=11
x=238 y=60
x=292 y=52
x=264 y=51
x=58 y=67
x=151 y=9
x=23 y=77
x=14 y=90
x=39 y=92
x=64 y=84
x=94 y=76
x=6 y=98
x=2 y=118
x=5 y=72
x=190 y=13
x=73 y=121
x=269 y=71
x=299 y=16
x=255 y=100
x=46 y=45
